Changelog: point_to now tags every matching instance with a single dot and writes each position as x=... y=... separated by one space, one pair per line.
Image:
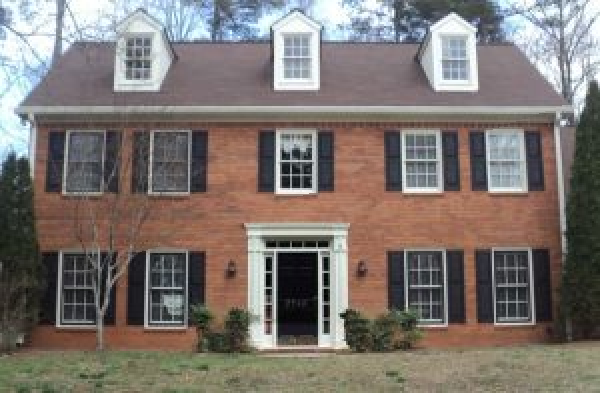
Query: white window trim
x=315 y=152
x=66 y=165
x=428 y=324
x=439 y=160
x=129 y=83
x=531 y=286
x=283 y=84
x=58 y=318
x=524 y=186
x=151 y=162
x=459 y=82
x=147 y=324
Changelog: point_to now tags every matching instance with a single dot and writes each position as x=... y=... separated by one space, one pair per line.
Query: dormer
x=296 y=41
x=143 y=53
x=448 y=55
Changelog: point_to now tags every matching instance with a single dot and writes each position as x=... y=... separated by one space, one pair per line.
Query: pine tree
x=20 y=265
x=581 y=280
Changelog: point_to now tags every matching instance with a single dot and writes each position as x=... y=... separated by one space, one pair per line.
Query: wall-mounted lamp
x=231 y=269
x=361 y=270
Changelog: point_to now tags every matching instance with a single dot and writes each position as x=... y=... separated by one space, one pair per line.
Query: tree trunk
x=100 y=332
x=58 y=31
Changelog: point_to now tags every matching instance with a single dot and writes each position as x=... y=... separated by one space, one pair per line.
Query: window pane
x=296 y=57
x=170 y=162
x=506 y=161
x=296 y=161
x=426 y=284
x=138 y=58
x=421 y=161
x=85 y=158
x=511 y=278
x=167 y=300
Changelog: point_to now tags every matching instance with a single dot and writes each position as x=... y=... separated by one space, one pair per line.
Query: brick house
x=297 y=178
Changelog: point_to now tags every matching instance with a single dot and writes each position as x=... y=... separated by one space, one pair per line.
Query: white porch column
x=255 y=277
x=340 y=277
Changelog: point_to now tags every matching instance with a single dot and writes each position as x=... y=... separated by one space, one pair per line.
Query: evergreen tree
x=20 y=266
x=408 y=20
x=581 y=280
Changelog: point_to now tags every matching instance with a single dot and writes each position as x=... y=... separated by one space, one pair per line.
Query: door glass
x=325 y=272
x=268 y=295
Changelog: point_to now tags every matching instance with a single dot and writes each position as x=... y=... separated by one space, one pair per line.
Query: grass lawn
x=560 y=368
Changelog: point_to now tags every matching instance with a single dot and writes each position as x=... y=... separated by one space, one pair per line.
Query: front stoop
x=299 y=351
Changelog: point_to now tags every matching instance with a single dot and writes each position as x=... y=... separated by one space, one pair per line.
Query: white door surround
x=258 y=234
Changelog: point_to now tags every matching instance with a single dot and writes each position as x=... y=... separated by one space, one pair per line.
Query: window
x=167 y=289
x=138 y=58
x=296 y=163
x=512 y=286
x=77 y=306
x=170 y=161
x=506 y=160
x=422 y=161
x=455 y=61
x=426 y=290
x=85 y=161
x=296 y=56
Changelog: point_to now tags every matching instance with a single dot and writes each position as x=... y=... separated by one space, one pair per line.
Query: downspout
x=561 y=184
x=561 y=205
x=32 y=142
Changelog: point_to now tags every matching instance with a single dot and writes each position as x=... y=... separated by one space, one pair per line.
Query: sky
x=14 y=134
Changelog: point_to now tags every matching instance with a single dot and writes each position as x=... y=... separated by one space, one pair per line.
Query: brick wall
x=379 y=221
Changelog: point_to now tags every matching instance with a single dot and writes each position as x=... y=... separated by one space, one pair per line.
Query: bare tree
x=562 y=42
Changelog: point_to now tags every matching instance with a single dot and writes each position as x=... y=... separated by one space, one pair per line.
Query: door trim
x=258 y=233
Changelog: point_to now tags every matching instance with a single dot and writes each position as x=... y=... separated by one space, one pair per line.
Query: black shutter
x=136 y=289
x=478 y=161
x=535 y=161
x=396 y=280
x=451 y=161
x=140 y=162
x=196 y=278
x=483 y=275
x=55 y=161
x=199 y=161
x=109 y=316
x=393 y=161
x=543 y=287
x=456 y=286
x=48 y=301
x=266 y=161
x=111 y=161
x=326 y=161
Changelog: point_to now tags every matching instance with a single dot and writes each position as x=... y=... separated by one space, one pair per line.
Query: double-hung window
x=426 y=285
x=76 y=305
x=138 y=58
x=512 y=286
x=455 y=59
x=296 y=162
x=297 y=60
x=506 y=160
x=85 y=161
x=422 y=161
x=170 y=163
x=167 y=288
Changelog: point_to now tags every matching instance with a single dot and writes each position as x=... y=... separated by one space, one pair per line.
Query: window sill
x=508 y=193
x=163 y=329
x=76 y=327
x=433 y=326
x=177 y=195
x=94 y=194
x=296 y=194
x=421 y=193
x=504 y=325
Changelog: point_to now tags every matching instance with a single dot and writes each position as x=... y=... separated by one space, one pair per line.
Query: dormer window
x=143 y=54
x=455 y=59
x=296 y=56
x=296 y=53
x=138 y=58
x=448 y=55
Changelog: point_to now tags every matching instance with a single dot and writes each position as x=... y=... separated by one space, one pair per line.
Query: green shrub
x=216 y=342
x=237 y=330
x=393 y=330
x=201 y=316
x=358 y=331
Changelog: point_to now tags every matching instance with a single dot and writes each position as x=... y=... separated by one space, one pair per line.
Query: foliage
x=408 y=20
x=201 y=316
x=393 y=330
x=20 y=265
x=233 y=338
x=358 y=331
x=581 y=279
x=237 y=330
